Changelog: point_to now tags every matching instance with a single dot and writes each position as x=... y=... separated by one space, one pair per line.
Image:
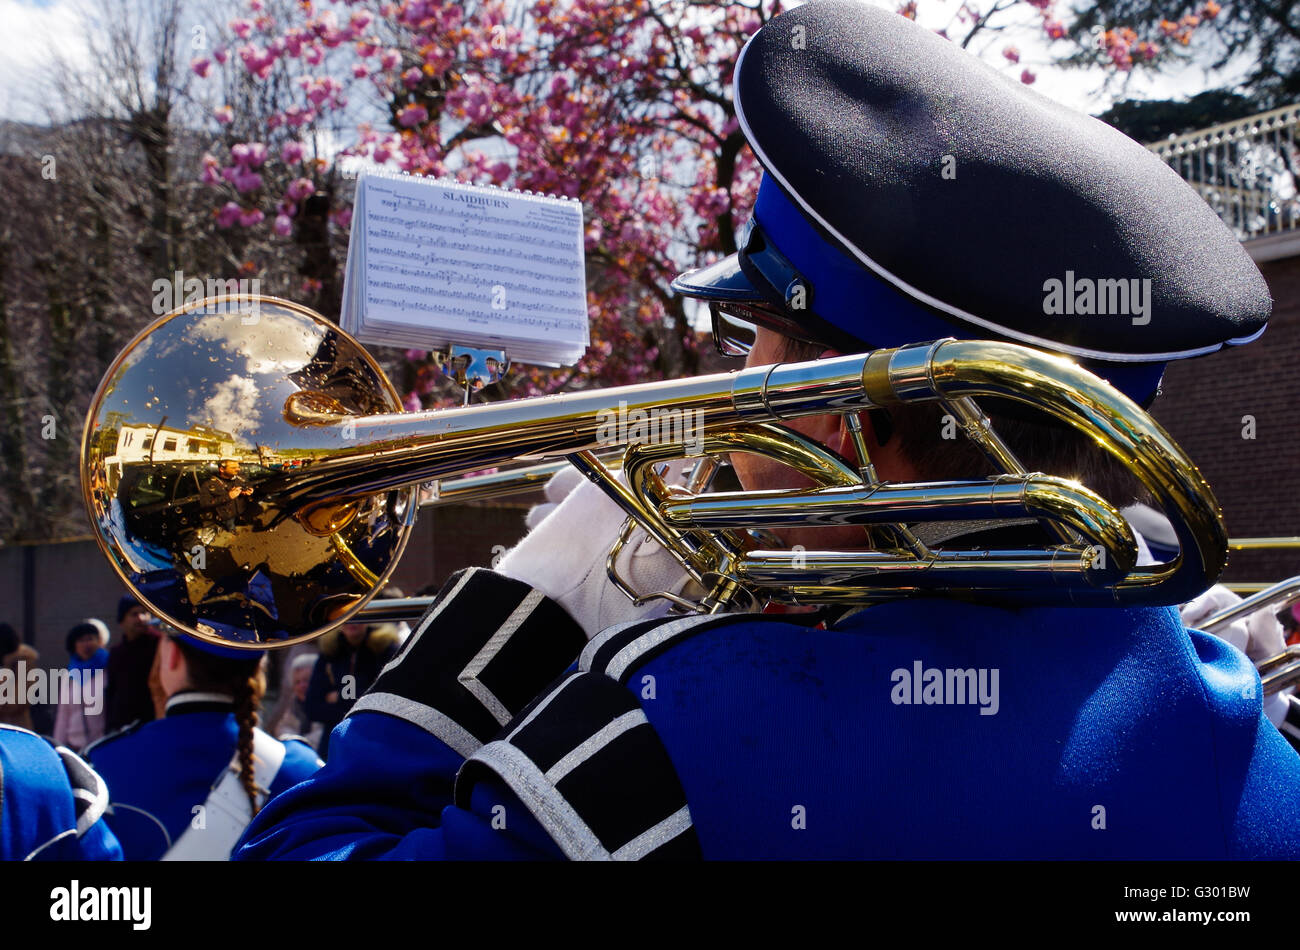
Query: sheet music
x=432 y=262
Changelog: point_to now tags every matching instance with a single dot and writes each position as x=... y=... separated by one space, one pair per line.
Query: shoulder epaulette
x=586 y=762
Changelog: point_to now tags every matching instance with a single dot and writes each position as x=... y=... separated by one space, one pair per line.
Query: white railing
x=1248 y=170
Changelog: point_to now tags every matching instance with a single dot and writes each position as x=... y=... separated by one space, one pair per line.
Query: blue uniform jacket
x=157 y=772
x=51 y=803
x=915 y=729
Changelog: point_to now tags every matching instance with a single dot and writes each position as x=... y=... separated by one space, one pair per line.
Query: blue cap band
x=846 y=296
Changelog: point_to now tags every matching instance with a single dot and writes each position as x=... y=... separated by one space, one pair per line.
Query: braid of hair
x=246 y=716
x=245 y=682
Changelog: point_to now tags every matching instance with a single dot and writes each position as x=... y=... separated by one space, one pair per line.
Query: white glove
x=1258 y=636
x=564 y=557
x=558 y=487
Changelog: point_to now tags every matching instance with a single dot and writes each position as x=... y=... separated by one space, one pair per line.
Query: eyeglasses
x=735 y=326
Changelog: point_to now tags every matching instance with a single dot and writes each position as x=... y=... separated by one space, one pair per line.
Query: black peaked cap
x=853 y=109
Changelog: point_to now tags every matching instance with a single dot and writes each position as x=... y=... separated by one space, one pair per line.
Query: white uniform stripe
x=662 y=833
x=553 y=813
x=625 y=657
x=543 y=704
x=162 y=829
x=59 y=837
x=598 y=641
x=429 y=618
x=468 y=677
x=427 y=718
x=589 y=747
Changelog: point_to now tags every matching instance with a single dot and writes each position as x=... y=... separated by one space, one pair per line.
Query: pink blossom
x=291 y=153
x=389 y=59
x=296 y=116
x=211 y=175
x=228 y=214
x=299 y=189
x=342 y=217
x=257 y=60
x=221 y=54
x=249 y=154
x=283 y=225
x=412 y=115
x=201 y=66
x=246 y=181
x=411 y=402
x=411 y=78
x=1012 y=54
x=380 y=154
x=1055 y=28
x=1027 y=77
x=478 y=106
x=313 y=54
x=359 y=71
x=249 y=218
x=224 y=114
x=359 y=20
x=241 y=28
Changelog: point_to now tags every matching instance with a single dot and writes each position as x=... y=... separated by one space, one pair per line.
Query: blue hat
x=212 y=649
x=911 y=192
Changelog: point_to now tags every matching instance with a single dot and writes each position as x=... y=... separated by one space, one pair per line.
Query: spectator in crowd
x=128 y=666
x=15 y=711
x=350 y=660
x=289 y=718
x=81 y=717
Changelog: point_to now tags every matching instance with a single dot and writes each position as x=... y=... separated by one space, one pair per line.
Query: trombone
x=316 y=488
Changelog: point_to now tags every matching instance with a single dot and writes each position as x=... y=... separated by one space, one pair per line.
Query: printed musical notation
x=433 y=263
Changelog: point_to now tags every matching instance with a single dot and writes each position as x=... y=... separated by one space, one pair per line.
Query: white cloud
x=232 y=408
x=34 y=34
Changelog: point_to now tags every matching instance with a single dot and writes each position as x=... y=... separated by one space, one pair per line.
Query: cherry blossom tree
x=622 y=104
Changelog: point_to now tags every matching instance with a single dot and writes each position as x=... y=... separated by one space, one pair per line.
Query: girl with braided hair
x=183 y=787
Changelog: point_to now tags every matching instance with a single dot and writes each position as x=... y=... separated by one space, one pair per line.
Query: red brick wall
x=1202 y=405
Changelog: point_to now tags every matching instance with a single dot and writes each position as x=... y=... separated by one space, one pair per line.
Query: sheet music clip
x=472 y=368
